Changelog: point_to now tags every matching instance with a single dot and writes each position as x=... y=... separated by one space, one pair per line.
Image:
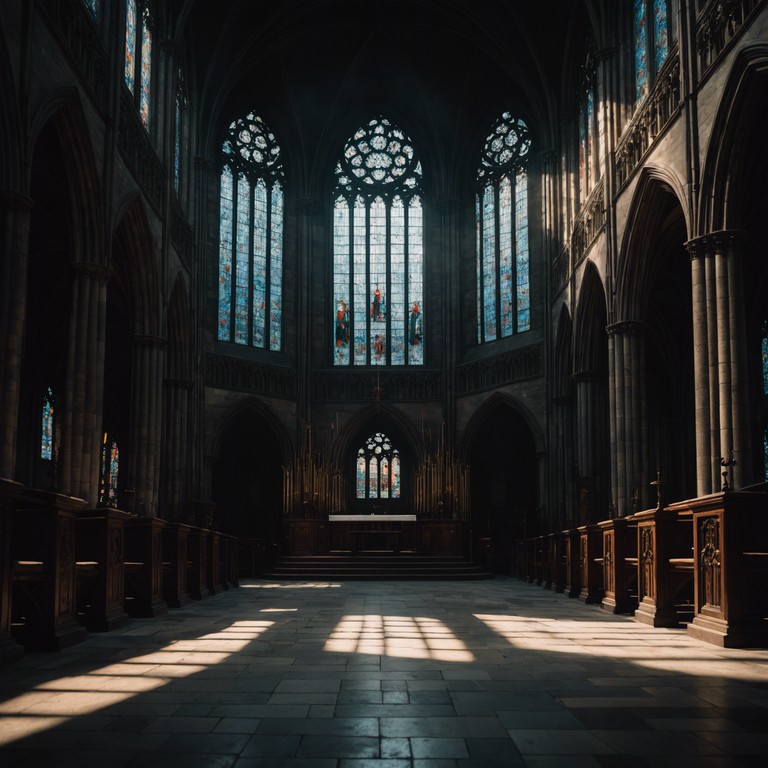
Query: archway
x=503 y=463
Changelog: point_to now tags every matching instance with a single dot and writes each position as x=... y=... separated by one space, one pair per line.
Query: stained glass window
x=651 y=35
x=48 y=437
x=251 y=236
x=588 y=145
x=378 y=250
x=503 y=283
x=378 y=469
x=138 y=54
x=110 y=465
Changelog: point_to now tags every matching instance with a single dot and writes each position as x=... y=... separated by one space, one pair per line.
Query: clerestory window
x=651 y=23
x=378 y=250
x=251 y=236
x=138 y=55
x=503 y=281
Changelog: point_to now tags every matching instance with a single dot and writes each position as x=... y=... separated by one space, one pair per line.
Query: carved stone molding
x=719 y=24
x=508 y=368
x=359 y=384
x=248 y=376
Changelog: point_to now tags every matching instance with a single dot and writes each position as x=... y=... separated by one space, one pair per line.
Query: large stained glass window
x=48 y=433
x=138 y=54
x=378 y=469
x=503 y=279
x=110 y=466
x=378 y=250
x=651 y=35
x=251 y=236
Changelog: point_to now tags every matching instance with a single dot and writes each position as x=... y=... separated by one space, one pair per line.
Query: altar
x=372 y=533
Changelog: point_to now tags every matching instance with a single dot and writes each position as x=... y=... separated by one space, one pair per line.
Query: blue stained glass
x=360 y=476
x=765 y=358
x=146 y=69
x=341 y=281
x=361 y=296
x=114 y=467
x=395 y=476
x=381 y=250
x=582 y=154
x=130 y=44
x=373 y=478
x=110 y=467
x=225 y=254
x=506 y=268
x=384 y=483
x=489 y=264
x=259 y=262
x=589 y=159
x=242 y=260
x=660 y=31
x=397 y=282
x=521 y=249
x=47 y=439
x=641 y=49
x=276 y=270
x=415 y=282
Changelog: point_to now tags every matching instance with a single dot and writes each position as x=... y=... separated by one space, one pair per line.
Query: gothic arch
x=735 y=131
x=563 y=355
x=134 y=267
x=63 y=110
x=590 y=323
x=638 y=257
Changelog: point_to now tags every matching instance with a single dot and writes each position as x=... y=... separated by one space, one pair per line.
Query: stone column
x=176 y=448
x=14 y=250
x=147 y=365
x=628 y=414
x=720 y=360
x=84 y=389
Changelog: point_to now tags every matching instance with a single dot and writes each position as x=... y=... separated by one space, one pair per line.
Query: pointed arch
x=590 y=323
x=563 y=354
x=638 y=257
x=735 y=130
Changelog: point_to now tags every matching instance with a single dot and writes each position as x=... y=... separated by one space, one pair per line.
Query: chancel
x=298 y=294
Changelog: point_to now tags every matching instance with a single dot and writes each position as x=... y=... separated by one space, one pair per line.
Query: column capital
x=627 y=328
x=724 y=239
x=145 y=341
x=88 y=269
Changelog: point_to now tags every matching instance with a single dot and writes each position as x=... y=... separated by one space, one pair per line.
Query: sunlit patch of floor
x=300 y=585
x=410 y=637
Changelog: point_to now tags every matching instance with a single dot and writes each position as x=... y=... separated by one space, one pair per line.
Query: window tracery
x=378 y=251
x=377 y=469
x=251 y=236
x=503 y=281
x=138 y=55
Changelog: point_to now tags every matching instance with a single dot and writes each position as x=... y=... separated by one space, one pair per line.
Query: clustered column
x=81 y=420
x=148 y=355
x=177 y=447
x=14 y=247
x=628 y=414
x=719 y=342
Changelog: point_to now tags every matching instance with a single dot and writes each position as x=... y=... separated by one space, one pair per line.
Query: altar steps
x=382 y=566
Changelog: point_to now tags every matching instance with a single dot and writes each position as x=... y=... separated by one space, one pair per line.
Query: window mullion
x=251 y=244
x=388 y=319
x=497 y=254
x=513 y=241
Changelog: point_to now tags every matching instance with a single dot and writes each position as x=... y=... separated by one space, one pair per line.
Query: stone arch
x=638 y=261
x=736 y=129
x=503 y=447
x=590 y=323
x=247 y=449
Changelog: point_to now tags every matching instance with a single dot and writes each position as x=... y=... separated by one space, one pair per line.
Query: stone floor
x=386 y=675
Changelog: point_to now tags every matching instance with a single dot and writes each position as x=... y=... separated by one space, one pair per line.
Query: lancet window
x=138 y=55
x=48 y=431
x=378 y=250
x=378 y=469
x=589 y=147
x=503 y=280
x=109 y=471
x=251 y=236
x=651 y=26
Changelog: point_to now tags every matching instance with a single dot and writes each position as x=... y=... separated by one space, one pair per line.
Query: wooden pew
x=175 y=564
x=197 y=563
x=145 y=567
x=572 y=586
x=557 y=561
x=43 y=571
x=590 y=563
x=619 y=562
x=665 y=564
x=730 y=547
x=99 y=569
x=10 y=650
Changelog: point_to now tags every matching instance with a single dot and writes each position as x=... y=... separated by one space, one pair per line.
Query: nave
x=355 y=674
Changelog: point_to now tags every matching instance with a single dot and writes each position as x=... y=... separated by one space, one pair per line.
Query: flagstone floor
x=386 y=675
